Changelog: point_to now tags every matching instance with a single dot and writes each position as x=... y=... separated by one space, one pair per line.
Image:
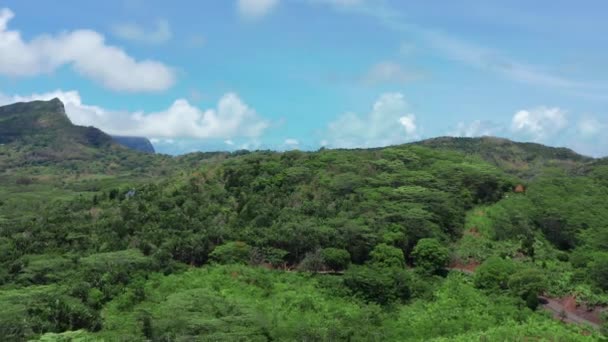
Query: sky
x=306 y=74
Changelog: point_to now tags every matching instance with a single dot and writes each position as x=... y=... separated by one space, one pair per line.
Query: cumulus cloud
x=134 y=32
x=86 y=52
x=539 y=123
x=391 y=73
x=388 y=123
x=231 y=118
x=253 y=9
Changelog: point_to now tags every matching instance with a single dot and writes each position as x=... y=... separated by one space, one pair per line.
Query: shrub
x=430 y=255
x=312 y=262
x=384 y=255
x=236 y=252
x=381 y=285
x=335 y=259
x=494 y=274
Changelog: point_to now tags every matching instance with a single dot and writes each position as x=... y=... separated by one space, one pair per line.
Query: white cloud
x=291 y=142
x=253 y=9
x=86 y=52
x=134 y=32
x=539 y=123
x=388 y=123
x=389 y=72
x=229 y=142
x=231 y=118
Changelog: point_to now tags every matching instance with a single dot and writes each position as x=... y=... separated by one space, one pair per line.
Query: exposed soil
x=565 y=309
x=468 y=267
x=574 y=313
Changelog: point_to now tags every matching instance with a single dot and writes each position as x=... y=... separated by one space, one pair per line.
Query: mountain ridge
x=41 y=131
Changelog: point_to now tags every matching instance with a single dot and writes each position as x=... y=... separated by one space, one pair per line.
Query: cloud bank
x=388 y=123
x=86 y=52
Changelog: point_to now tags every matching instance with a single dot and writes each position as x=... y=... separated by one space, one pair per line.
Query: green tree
x=382 y=285
x=494 y=273
x=598 y=270
x=527 y=284
x=384 y=255
x=430 y=255
x=236 y=252
x=312 y=262
x=335 y=258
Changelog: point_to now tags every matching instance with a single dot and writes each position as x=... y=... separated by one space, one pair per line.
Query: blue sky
x=285 y=74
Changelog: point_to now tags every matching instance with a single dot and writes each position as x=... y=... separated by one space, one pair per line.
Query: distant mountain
x=523 y=159
x=141 y=144
x=40 y=133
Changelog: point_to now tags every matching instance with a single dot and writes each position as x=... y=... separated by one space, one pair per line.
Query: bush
x=335 y=259
x=384 y=255
x=527 y=284
x=430 y=255
x=312 y=262
x=236 y=252
x=381 y=285
x=494 y=274
x=598 y=270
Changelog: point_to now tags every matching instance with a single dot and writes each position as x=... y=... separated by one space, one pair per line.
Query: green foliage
x=528 y=284
x=598 y=270
x=98 y=242
x=430 y=255
x=382 y=285
x=494 y=274
x=335 y=258
x=384 y=255
x=313 y=262
x=231 y=253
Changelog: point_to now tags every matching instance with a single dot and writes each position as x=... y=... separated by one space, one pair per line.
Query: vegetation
x=330 y=245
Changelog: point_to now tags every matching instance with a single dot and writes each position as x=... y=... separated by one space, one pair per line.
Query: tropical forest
x=447 y=239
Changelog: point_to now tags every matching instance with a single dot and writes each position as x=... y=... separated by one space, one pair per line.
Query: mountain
x=141 y=144
x=522 y=158
x=40 y=133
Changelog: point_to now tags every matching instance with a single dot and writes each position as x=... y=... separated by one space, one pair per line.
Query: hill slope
x=105 y=243
x=39 y=132
x=43 y=157
x=524 y=159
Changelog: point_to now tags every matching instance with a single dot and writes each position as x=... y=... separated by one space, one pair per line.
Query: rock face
x=136 y=143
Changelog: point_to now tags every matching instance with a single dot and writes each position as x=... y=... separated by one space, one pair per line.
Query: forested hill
x=524 y=159
x=340 y=245
x=40 y=132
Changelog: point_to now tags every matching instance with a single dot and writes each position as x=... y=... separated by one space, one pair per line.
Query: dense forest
x=450 y=239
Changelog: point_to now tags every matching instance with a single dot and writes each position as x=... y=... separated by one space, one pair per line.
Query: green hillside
x=417 y=242
x=524 y=159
